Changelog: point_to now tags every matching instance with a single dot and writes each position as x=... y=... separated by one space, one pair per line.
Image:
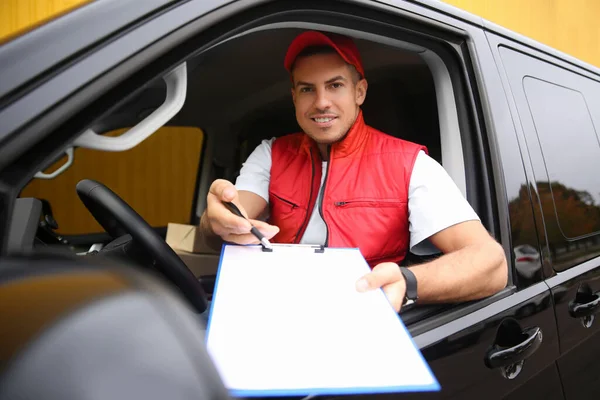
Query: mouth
x=324 y=120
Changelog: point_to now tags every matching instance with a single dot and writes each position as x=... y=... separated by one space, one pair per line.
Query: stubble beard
x=339 y=136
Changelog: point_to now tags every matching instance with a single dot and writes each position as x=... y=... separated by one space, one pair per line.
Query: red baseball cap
x=344 y=46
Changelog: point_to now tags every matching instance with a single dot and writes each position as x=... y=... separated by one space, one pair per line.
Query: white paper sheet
x=292 y=322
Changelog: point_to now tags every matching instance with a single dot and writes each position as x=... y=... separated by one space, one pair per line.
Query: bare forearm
x=475 y=271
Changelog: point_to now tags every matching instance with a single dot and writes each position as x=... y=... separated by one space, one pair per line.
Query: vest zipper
x=308 y=212
x=374 y=203
x=286 y=201
x=323 y=194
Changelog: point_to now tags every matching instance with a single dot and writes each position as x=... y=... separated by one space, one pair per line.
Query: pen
x=263 y=240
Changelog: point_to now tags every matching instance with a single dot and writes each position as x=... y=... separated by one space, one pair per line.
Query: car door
x=558 y=107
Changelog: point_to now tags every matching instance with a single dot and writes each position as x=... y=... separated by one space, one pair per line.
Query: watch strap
x=411 y=285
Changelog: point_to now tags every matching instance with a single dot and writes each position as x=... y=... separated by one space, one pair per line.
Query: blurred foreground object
x=72 y=329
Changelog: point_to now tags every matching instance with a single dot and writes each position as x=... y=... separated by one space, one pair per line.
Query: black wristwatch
x=410 y=297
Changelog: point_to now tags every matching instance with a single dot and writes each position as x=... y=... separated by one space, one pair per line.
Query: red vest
x=365 y=192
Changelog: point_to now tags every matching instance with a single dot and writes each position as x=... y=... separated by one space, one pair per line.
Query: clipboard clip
x=318 y=248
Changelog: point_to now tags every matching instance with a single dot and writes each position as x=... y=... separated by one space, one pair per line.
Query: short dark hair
x=315 y=50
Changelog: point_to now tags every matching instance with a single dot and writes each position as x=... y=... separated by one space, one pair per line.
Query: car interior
x=238 y=93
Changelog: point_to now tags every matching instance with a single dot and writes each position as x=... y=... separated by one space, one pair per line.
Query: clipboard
x=275 y=330
x=316 y=248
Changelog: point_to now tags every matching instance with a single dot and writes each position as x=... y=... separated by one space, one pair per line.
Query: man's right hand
x=218 y=220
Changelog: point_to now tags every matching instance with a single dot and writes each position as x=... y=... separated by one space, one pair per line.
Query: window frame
x=454 y=54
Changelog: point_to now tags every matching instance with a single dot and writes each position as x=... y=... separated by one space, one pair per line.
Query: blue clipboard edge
x=212 y=302
x=435 y=386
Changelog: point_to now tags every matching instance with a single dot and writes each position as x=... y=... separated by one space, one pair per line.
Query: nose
x=322 y=101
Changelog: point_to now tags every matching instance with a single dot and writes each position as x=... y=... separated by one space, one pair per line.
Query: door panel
x=579 y=363
x=579 y=372
x=543 y=386
x=457 y=351
x=459 y=360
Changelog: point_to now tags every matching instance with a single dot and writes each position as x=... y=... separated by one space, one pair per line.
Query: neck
x=324 y=150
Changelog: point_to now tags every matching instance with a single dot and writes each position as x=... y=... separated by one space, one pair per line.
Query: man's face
x=327 y=100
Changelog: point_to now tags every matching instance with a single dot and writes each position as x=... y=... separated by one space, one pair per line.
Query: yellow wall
x=157 y=179
x=17 y=16
x=567 y=25
x=571 y=26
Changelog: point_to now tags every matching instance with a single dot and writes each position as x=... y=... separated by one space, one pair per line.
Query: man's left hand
x=388 y=277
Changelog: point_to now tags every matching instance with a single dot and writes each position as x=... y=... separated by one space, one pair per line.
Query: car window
x=559 y=112
x=405 y=99
x=157 y=179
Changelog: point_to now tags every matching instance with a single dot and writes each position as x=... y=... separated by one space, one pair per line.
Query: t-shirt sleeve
x=255 y=173
x=434 y=204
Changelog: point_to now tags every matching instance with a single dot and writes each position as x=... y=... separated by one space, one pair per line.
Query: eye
x=305 y=89
x=337 y=85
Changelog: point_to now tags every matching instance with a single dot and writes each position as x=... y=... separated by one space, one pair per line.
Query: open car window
x=413 y=94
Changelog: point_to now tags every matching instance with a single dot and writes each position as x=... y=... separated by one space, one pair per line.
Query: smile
x=323 y=120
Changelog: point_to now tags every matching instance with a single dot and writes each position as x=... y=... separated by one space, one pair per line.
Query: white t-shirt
x=434 y=201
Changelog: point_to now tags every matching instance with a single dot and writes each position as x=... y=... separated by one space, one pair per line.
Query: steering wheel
x=119 y=219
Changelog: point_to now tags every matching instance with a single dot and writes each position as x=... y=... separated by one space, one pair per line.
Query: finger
x=383 y=274
x=224 y=190
x=230 y=224
x=395 y=294
x=222 y=220
x=266 y=229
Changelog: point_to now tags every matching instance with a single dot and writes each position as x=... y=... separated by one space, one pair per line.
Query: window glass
x=571 y=153
x=157 y=179
x=558 y=111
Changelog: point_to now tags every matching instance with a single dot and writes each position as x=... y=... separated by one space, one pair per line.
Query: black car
x=514 y=123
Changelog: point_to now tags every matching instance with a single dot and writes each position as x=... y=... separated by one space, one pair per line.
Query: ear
x=361 y=91
x=293 y=95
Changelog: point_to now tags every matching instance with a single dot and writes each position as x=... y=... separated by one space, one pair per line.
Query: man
x=342 y=183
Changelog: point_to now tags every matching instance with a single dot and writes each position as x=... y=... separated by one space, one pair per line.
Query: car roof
x=64 y=38
x=55 y=43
